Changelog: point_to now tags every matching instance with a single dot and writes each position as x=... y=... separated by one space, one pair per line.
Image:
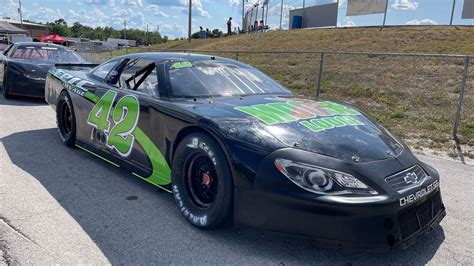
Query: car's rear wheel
x=202 y=182
x=66 y=120
x=6 y=89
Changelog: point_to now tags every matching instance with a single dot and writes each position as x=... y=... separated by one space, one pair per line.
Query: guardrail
x=321 y=57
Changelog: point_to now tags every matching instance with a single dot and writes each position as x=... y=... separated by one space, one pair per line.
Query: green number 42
x=125 y=118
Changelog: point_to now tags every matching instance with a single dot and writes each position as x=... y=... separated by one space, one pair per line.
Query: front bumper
x=20 y=85
x=347 y=229
x=349 y=222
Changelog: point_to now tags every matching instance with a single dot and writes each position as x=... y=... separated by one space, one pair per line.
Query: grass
x=414 y=97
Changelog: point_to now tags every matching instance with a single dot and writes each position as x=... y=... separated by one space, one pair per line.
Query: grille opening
x=388 y=223
x=391 y=241
x=419 y=216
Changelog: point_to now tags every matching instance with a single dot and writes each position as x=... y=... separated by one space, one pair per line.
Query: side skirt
x=113 y=160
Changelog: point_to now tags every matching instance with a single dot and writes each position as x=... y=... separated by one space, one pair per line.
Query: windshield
x=47 y=53
x=213 y=78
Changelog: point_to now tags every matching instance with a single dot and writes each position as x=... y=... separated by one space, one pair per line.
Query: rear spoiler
x=75 y=67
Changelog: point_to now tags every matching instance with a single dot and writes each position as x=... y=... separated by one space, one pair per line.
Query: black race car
x=24 y=66
x=228 y=141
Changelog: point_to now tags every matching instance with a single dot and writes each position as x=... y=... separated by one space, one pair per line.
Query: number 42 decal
x=125 y=117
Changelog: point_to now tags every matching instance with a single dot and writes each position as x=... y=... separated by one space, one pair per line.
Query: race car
x=24 y=66
x=231 y=144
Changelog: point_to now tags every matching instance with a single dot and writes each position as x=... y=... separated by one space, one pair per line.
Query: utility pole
x=124 y=29
x=21 y=14
x=385 y=15
x=281 y=13
x=243 y=14
x=302 y=21
x=147 y=38
x=190 y=19
x=256 y=17
x=125 y=34
x=266 y=14
x=452 y=13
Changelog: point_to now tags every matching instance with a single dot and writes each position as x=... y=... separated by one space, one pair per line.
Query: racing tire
x=66 y=120
x=202 y=182
x=5 y=89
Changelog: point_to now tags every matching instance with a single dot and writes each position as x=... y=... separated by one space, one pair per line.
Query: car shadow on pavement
x=132 y=223
x=20 y=101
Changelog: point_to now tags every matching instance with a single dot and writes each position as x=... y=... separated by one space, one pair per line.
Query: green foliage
x=215 y=33
x=78 y=30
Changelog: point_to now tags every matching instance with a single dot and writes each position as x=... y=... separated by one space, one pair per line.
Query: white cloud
x=134 y=19
x=348 y=22
x=405 y=4
x=92 y=18
x=235 y=2
x=197 y=8
x=425 y=21
x=155 y=10
x=132 y=3
x=275 y=11
x=98 y=2
x=45 y=14
x=172 y=30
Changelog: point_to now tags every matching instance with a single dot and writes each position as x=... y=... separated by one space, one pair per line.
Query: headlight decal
x=321 y=180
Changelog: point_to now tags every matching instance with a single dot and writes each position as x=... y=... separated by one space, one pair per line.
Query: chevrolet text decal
x=317 y=116
x=419 y=194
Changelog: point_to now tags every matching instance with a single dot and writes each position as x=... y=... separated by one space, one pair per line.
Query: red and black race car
x=24 y=66
x=231 y=143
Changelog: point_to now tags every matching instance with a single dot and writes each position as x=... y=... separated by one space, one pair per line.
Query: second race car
x=24 y=66
x=231 y=143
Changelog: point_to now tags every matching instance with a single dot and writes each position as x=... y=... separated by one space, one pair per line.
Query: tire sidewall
x=68 y=139
x=221 y=209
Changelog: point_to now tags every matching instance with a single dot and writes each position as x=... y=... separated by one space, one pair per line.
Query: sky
x=171 y=16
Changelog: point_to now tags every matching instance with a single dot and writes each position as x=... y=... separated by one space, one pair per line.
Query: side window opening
x=103 y=70
x=138 y=75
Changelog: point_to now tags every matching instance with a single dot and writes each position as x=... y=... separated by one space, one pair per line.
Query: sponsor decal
x=419 y=194
x=126 y=114
x=125 y=132
x=193 y=218
x=183 y=64
x=71 y=83
x=315 y=116
x=198 y=144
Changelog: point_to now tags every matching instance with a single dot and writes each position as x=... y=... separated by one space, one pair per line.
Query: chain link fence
x=426 y=99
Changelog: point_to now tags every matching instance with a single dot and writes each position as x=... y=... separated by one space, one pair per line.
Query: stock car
x=24 y=66
x=231 y=144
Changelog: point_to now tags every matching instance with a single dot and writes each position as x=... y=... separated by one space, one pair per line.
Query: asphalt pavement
x=64 y=206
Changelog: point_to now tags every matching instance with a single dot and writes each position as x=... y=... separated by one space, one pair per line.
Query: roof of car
x=39 y=44
x=159 y=56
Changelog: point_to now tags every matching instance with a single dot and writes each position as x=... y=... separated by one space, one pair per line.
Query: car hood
x=325 y=127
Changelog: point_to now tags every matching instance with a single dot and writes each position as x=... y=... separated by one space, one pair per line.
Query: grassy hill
x=432 y=39
x=414 y=97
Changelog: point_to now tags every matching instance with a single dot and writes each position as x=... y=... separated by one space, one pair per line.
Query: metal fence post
x=321 y=64
x=458 y=110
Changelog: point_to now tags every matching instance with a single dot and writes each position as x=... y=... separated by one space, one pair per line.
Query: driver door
x=122 y=114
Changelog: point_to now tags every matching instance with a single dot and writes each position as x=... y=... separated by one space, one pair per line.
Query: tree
x=78 y=30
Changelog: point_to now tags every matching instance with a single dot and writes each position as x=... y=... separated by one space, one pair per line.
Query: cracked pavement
x=64 y=206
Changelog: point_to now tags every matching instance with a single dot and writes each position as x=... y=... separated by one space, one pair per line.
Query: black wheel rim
x=66 y=118
x=201 y=179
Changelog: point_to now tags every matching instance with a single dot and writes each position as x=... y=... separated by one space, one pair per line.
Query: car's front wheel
x=202 y=181
x=66 y=120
